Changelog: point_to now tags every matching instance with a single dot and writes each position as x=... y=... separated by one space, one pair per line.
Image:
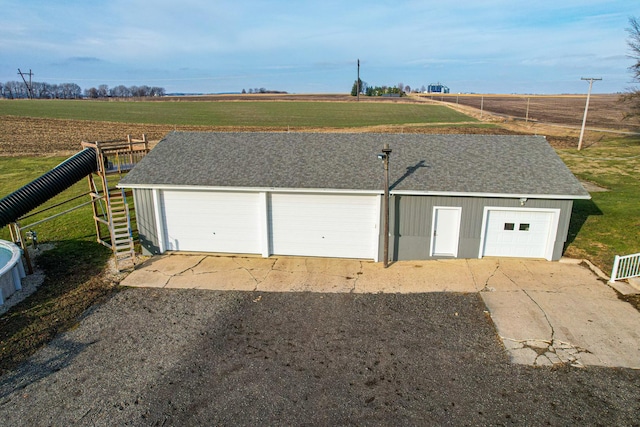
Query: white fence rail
x=625 y=267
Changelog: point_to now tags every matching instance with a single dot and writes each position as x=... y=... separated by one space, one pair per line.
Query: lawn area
x=609 y=224
x=18 y=171
x=229 y=113
x=74 y=268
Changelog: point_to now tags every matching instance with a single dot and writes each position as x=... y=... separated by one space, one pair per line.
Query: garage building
x=320 y=194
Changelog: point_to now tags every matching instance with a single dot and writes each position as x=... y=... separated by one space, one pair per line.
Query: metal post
x=614 y=270
x=586 y=108
x=21 y=241
x=386 y=153
x=358 y=82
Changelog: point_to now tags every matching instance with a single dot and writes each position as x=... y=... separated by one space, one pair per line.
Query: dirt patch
x=593 y=188
x=634 y=300
x=74 y=280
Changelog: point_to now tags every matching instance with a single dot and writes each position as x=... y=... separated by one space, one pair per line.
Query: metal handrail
x=625 y=267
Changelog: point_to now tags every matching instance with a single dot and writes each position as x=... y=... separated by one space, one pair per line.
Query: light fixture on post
x=384 y=156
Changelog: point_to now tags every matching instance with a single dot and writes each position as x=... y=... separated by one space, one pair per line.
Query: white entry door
x=445 y=231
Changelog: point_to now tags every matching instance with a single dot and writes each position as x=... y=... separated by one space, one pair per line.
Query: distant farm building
x=437 y=88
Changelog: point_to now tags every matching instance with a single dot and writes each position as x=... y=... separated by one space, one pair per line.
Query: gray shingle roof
x=420 y=163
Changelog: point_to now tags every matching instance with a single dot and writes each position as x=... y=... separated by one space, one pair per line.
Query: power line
x=586 y=108
x=29 y=85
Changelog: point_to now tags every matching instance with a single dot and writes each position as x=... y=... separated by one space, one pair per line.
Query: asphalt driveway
x=546 y=313
x=198 y=357
x=167 y=356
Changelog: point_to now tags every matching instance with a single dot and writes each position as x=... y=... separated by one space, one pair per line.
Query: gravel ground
x=190 y=357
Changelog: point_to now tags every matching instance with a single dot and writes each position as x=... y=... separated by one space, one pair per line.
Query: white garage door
x=520 y=233
x=203 y=221
x=327 y=225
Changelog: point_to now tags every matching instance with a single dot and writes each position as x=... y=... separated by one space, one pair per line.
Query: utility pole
x=29 y=90
x=586 y=108
x=358 y=82
x=386 y=152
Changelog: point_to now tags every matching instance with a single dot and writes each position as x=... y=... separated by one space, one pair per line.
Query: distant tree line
x=262 y=90
x=398 y=90
x=18 y=90
x=121 y=91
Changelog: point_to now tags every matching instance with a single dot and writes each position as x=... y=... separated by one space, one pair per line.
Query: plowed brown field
x=605 y=111
x=37 y=136
x=27 y=136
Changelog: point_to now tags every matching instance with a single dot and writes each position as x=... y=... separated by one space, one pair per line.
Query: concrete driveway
x=546 y=313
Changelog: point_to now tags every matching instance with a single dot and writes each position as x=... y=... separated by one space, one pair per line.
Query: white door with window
x=445 y=231
x=522 y=233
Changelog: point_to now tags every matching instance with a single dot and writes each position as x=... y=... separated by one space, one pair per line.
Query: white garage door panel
x=211 y=222
x=518 y=233
x=324 y=225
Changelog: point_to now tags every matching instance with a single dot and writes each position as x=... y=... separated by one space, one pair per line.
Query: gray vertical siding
x=145 y=217
x=411 y=218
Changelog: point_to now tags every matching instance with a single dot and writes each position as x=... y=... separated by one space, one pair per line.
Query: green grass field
x=609 y=224
x=245 y=113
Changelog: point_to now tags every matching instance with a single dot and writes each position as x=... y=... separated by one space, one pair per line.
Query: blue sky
x=492 y=46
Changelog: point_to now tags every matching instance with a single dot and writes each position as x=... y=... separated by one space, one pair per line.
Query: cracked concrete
x=546 y=313
x=561 y=313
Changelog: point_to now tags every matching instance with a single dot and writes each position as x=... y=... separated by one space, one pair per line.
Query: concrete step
x=635 y=282
x=624 y=288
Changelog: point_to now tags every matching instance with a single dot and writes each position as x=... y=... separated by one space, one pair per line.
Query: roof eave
x=355 y=191
x=495 y=195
